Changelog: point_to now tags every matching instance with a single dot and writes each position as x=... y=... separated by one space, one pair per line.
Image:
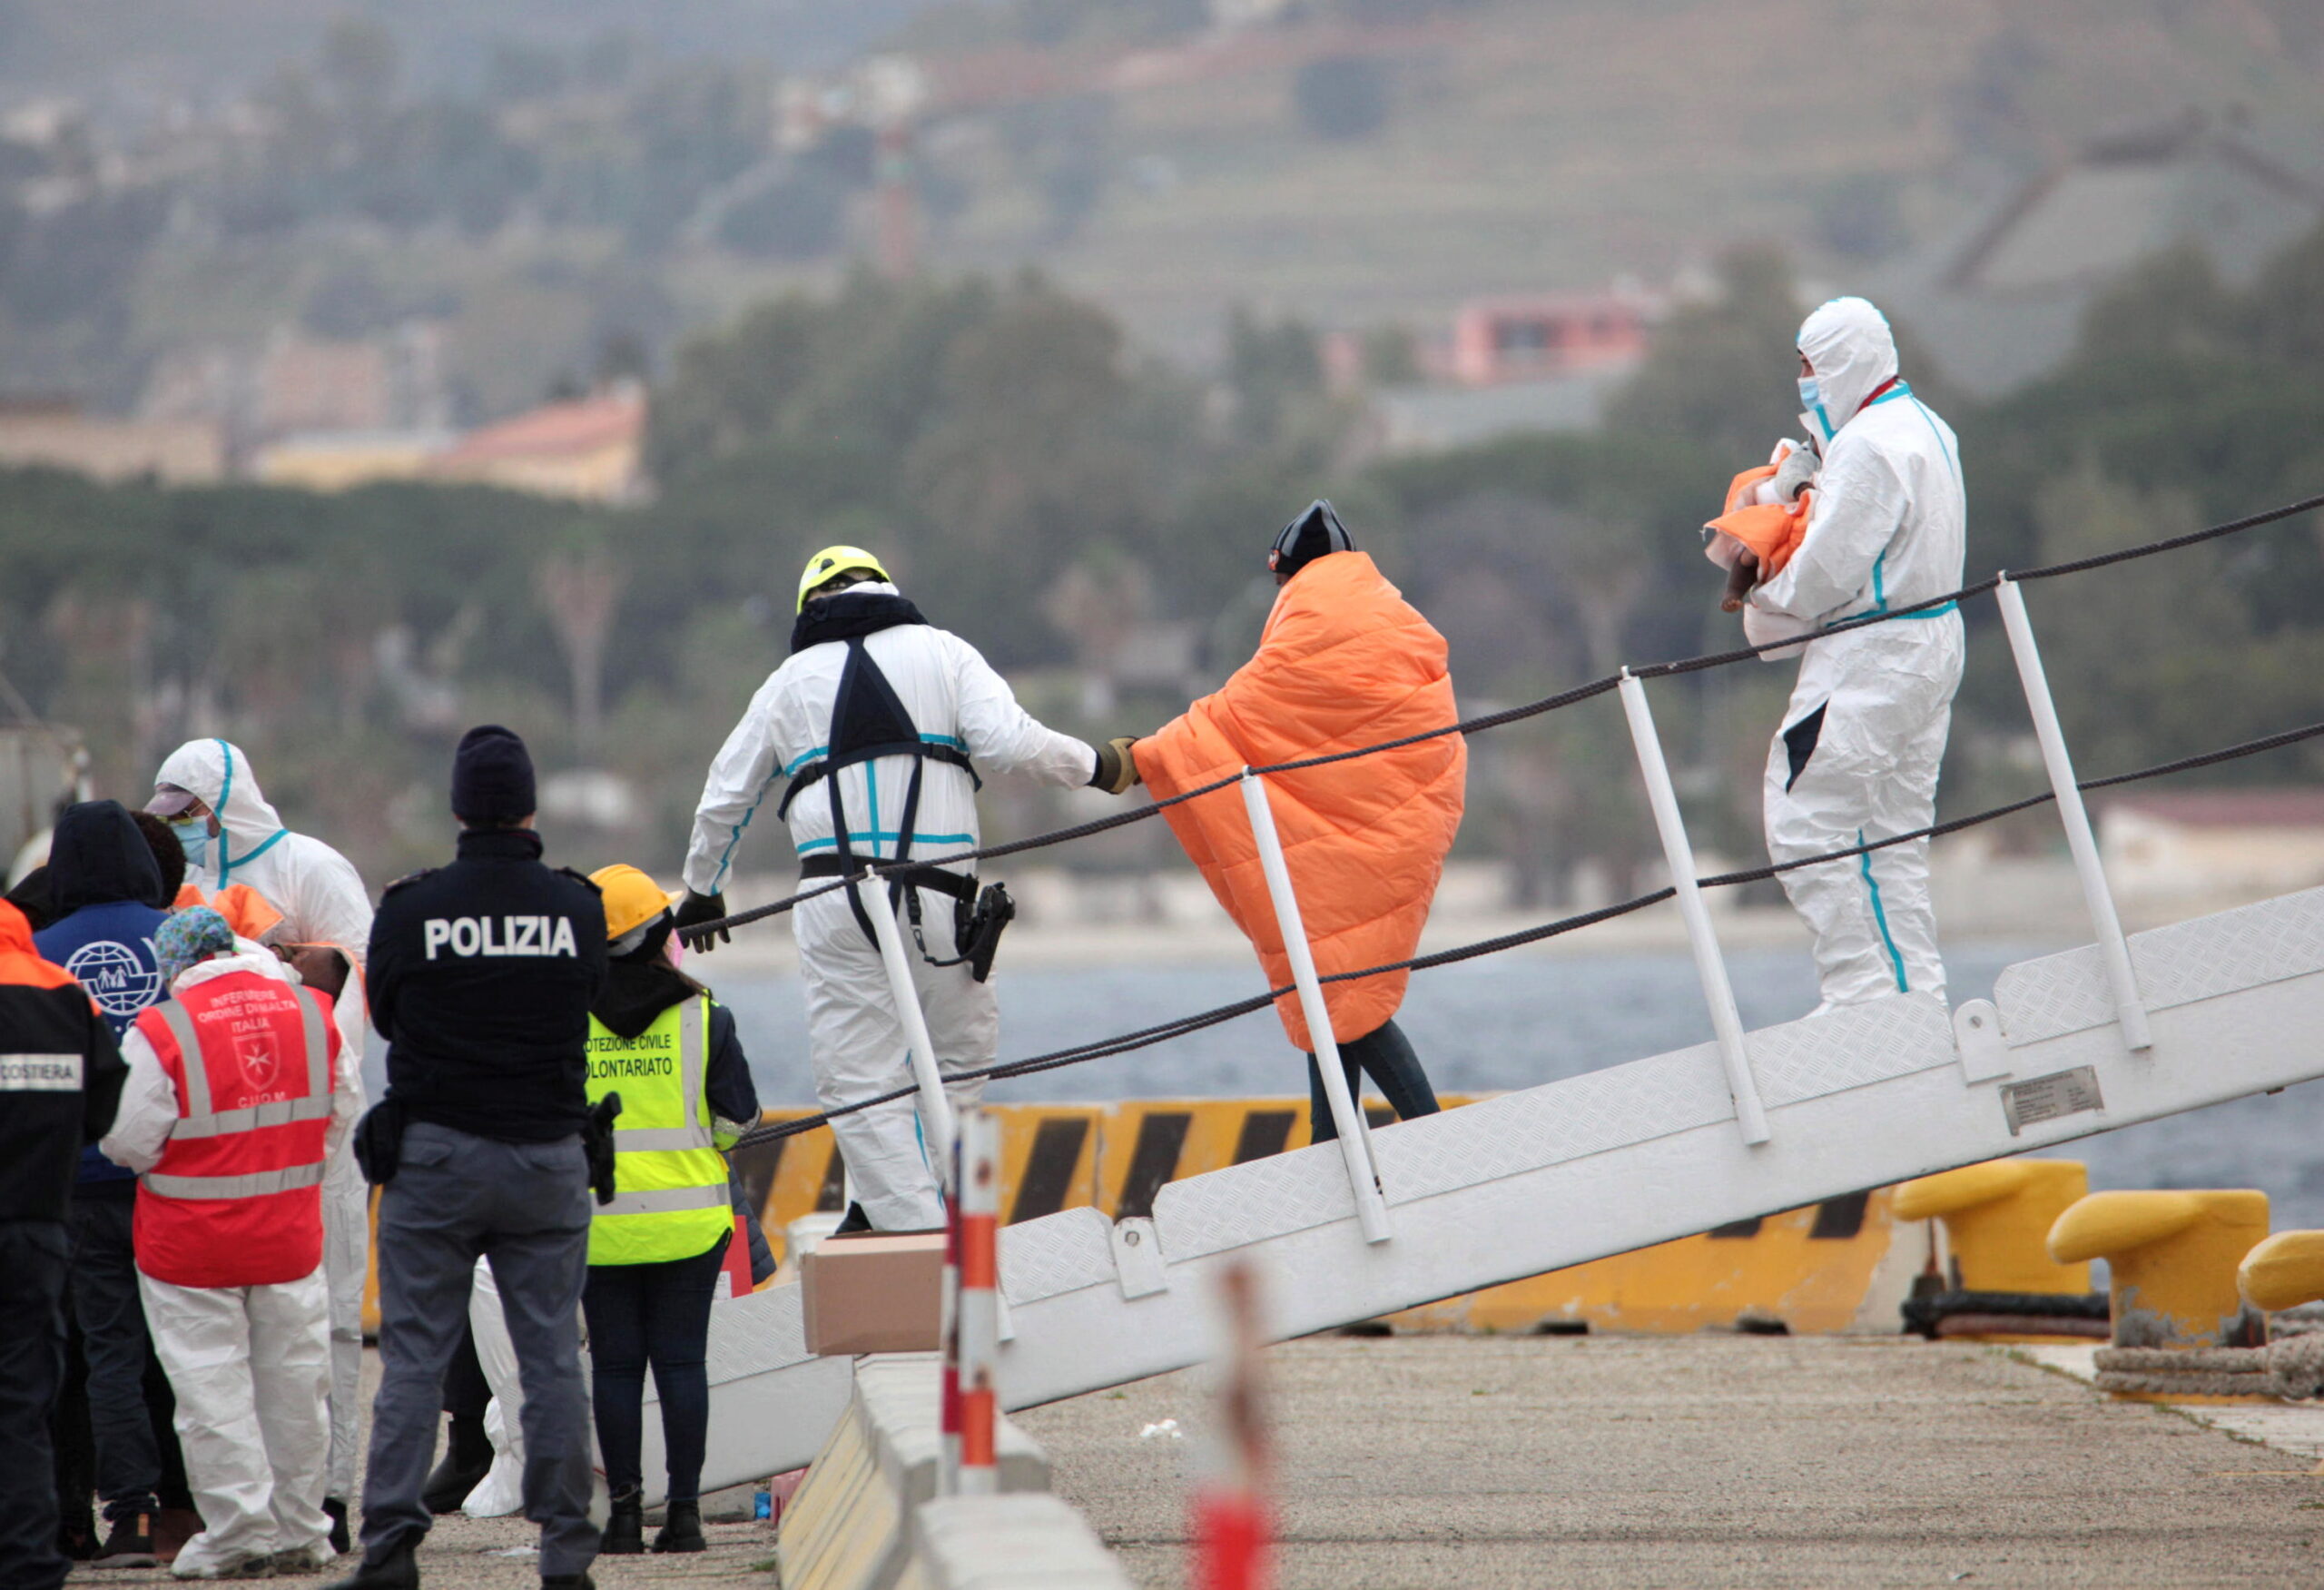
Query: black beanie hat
x=492 y=778
x=1308 y=538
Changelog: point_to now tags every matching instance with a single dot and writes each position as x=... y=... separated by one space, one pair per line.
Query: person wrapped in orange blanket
x=1344 y=662
x=1763 y=523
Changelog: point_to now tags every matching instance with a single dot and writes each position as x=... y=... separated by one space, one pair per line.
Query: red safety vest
x=236 y=1199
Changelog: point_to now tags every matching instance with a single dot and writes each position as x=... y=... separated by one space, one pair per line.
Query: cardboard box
x=875 y=1293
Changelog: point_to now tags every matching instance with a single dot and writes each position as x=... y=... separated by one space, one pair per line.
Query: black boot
x=567 y=1582
x=683 y=1532
x=625 y=1533
x=398 y=1570
x=851 y=1223
x=336 y=1511
x=468 y=1458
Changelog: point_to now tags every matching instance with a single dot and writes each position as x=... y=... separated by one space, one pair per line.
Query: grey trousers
x=526 y=1207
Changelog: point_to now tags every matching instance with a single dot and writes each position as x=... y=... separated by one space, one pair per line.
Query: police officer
x=60 y=1081
x=481 y=977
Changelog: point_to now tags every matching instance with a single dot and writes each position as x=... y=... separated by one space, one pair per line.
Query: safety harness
x=869 y=721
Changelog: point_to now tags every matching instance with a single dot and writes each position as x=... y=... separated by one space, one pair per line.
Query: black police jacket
x=480 y=976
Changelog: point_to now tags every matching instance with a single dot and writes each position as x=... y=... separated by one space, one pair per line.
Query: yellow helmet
x=833 y=560
x=632 y=899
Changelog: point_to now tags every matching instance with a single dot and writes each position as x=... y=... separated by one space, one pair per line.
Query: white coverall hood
x=1848 y=345
x=218 y=773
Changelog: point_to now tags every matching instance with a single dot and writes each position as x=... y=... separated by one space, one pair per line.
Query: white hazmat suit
x=249 y=1366
x=323 y=901
x=855 y=1039
x=1857 y=758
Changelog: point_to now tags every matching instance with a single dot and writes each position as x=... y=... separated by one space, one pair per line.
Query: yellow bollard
x=1997 y=1218
x=2173 y=1256
x=2284 y=1271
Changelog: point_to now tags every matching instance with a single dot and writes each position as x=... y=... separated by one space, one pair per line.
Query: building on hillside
x=2004 y=305
x=296 y=385
x=337 y=461
x=1498 y=340
x=2207 y=844
x=57 y=435
x=1538 y=362
x=591 y=449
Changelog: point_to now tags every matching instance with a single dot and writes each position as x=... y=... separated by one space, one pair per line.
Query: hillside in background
x=559 y=189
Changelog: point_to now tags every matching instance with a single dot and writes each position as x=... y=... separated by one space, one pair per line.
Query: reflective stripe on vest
x=255 y=1184
x=671 y=1198
x=668 y=1200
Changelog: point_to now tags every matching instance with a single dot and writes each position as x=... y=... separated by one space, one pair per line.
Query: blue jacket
x=107 y=887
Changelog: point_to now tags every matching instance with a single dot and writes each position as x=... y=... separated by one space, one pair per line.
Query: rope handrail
x=1146 y=1037
x=696 y=932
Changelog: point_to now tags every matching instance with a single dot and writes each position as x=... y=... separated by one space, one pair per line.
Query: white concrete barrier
x=1030 y=1542
x=849 y=1526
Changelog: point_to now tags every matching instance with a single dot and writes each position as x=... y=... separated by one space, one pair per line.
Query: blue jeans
x=1384 y=1056
x=657 y=1314
x=105 y=1304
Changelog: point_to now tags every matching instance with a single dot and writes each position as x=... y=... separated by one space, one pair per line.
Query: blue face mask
x=193 y=838
x=1811 y=398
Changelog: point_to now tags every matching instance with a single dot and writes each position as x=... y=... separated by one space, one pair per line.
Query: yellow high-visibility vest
x=670 y=1191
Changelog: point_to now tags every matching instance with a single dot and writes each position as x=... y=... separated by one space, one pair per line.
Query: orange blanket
x=1345 y=661
x=1773 y=530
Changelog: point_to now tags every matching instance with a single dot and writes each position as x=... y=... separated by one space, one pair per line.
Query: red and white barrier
x=1233 y=1524
x=977 y=1306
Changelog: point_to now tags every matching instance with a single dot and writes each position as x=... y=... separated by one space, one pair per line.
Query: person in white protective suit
x=210 y=798
x=238 y=1091
x=879 y=721
x=1857 y=757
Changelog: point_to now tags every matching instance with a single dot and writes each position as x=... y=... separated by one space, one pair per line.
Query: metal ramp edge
x=1598 y=1164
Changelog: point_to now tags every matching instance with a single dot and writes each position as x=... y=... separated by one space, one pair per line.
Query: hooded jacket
x=105 y=886
x=317 y=891
x=1344 y=662
x=60 y=1077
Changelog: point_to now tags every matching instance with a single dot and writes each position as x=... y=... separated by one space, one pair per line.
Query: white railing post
x=1355 y=1132
x=935 y=1110
x=2129 y=1009
x=1726 y=1021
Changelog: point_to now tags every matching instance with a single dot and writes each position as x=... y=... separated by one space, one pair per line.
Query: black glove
x=697 y=908
x=1116 y=768
x=597 y=1142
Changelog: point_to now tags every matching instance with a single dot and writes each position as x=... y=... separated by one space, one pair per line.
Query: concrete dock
x=1434 y=1462
x=1431 y=1463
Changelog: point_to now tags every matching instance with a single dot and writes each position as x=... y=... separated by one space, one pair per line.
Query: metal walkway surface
x=1598 y=1164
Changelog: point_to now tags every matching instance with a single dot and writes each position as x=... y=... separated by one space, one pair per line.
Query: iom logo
x=121 y=982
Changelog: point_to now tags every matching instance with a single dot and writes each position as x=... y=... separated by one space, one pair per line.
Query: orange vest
x=1344 y=662
x=236 y=1199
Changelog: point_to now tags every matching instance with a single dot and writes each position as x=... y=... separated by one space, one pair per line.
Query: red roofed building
x=590 y=449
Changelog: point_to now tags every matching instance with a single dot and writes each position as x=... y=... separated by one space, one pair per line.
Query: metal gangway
x=2129 y=1028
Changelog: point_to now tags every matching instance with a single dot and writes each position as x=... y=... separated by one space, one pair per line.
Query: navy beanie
x=1311 y=536
x=492 y=778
